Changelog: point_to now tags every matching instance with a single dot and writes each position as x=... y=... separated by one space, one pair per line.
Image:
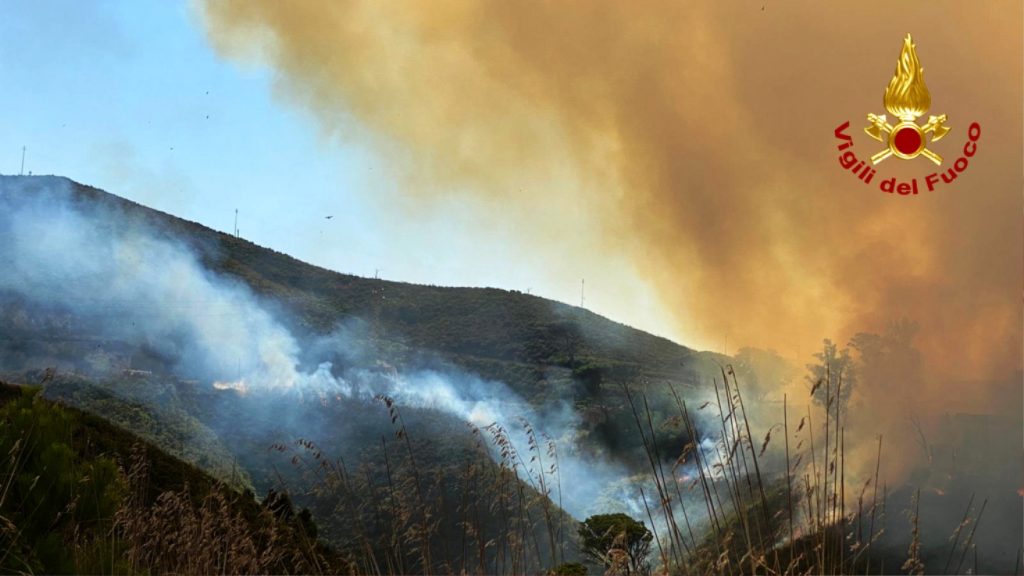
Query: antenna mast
x=236 y=222
x=583 y=284
x=22 y=173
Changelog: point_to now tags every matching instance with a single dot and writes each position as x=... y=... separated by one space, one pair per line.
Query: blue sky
x=131 y=98
x=128 y=97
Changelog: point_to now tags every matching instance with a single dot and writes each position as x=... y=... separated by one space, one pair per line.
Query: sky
x=132 y=98
x=677 y=156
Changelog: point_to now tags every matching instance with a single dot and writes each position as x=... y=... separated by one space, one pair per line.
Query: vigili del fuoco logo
x=907 y=99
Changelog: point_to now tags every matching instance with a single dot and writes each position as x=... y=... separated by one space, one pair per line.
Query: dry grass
x=797 y=523
x=477 y=518
x=503 y=518
x=175 y=534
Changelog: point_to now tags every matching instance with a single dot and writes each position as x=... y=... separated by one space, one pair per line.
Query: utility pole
x=22 y=173
x=583 y=284
x=236 y=222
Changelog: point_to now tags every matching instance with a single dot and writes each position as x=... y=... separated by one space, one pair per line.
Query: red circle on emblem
x=907 y=140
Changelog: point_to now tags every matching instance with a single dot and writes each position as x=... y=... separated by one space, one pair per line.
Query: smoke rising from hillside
x=695 y=139
x=120 y=279
x=125 y=280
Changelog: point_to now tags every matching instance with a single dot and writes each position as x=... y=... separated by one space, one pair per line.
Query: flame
x=240 y=386
x=907 y=96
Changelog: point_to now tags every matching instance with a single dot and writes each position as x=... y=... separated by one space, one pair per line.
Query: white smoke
x=134 y=285
x=134 y=282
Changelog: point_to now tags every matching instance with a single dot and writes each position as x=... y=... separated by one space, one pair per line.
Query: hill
x=542 y=350
x=480 y=323
x=424 y=428
x=139 y=318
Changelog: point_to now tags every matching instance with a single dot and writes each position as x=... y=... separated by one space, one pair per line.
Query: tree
x=568 y=339
x=833 y=367
x=616 y=540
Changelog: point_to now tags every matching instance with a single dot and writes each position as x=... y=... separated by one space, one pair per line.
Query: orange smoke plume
x=695 y=141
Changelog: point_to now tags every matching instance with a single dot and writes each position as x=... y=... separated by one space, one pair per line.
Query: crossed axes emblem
x=881 y=130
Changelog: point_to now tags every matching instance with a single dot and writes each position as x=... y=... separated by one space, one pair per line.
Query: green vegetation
x=49 y=494
x=156 y=411
x=80 y=496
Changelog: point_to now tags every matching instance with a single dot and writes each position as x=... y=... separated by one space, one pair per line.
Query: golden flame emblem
x=907 y=97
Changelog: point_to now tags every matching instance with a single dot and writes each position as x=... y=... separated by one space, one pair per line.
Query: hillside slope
x=479 y=323
x=112 y=317
x=544 y=351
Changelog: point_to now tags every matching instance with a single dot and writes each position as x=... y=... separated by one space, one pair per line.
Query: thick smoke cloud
x=696 y=140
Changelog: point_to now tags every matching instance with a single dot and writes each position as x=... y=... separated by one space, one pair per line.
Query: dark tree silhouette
x=617 y=540
x=832 y=367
